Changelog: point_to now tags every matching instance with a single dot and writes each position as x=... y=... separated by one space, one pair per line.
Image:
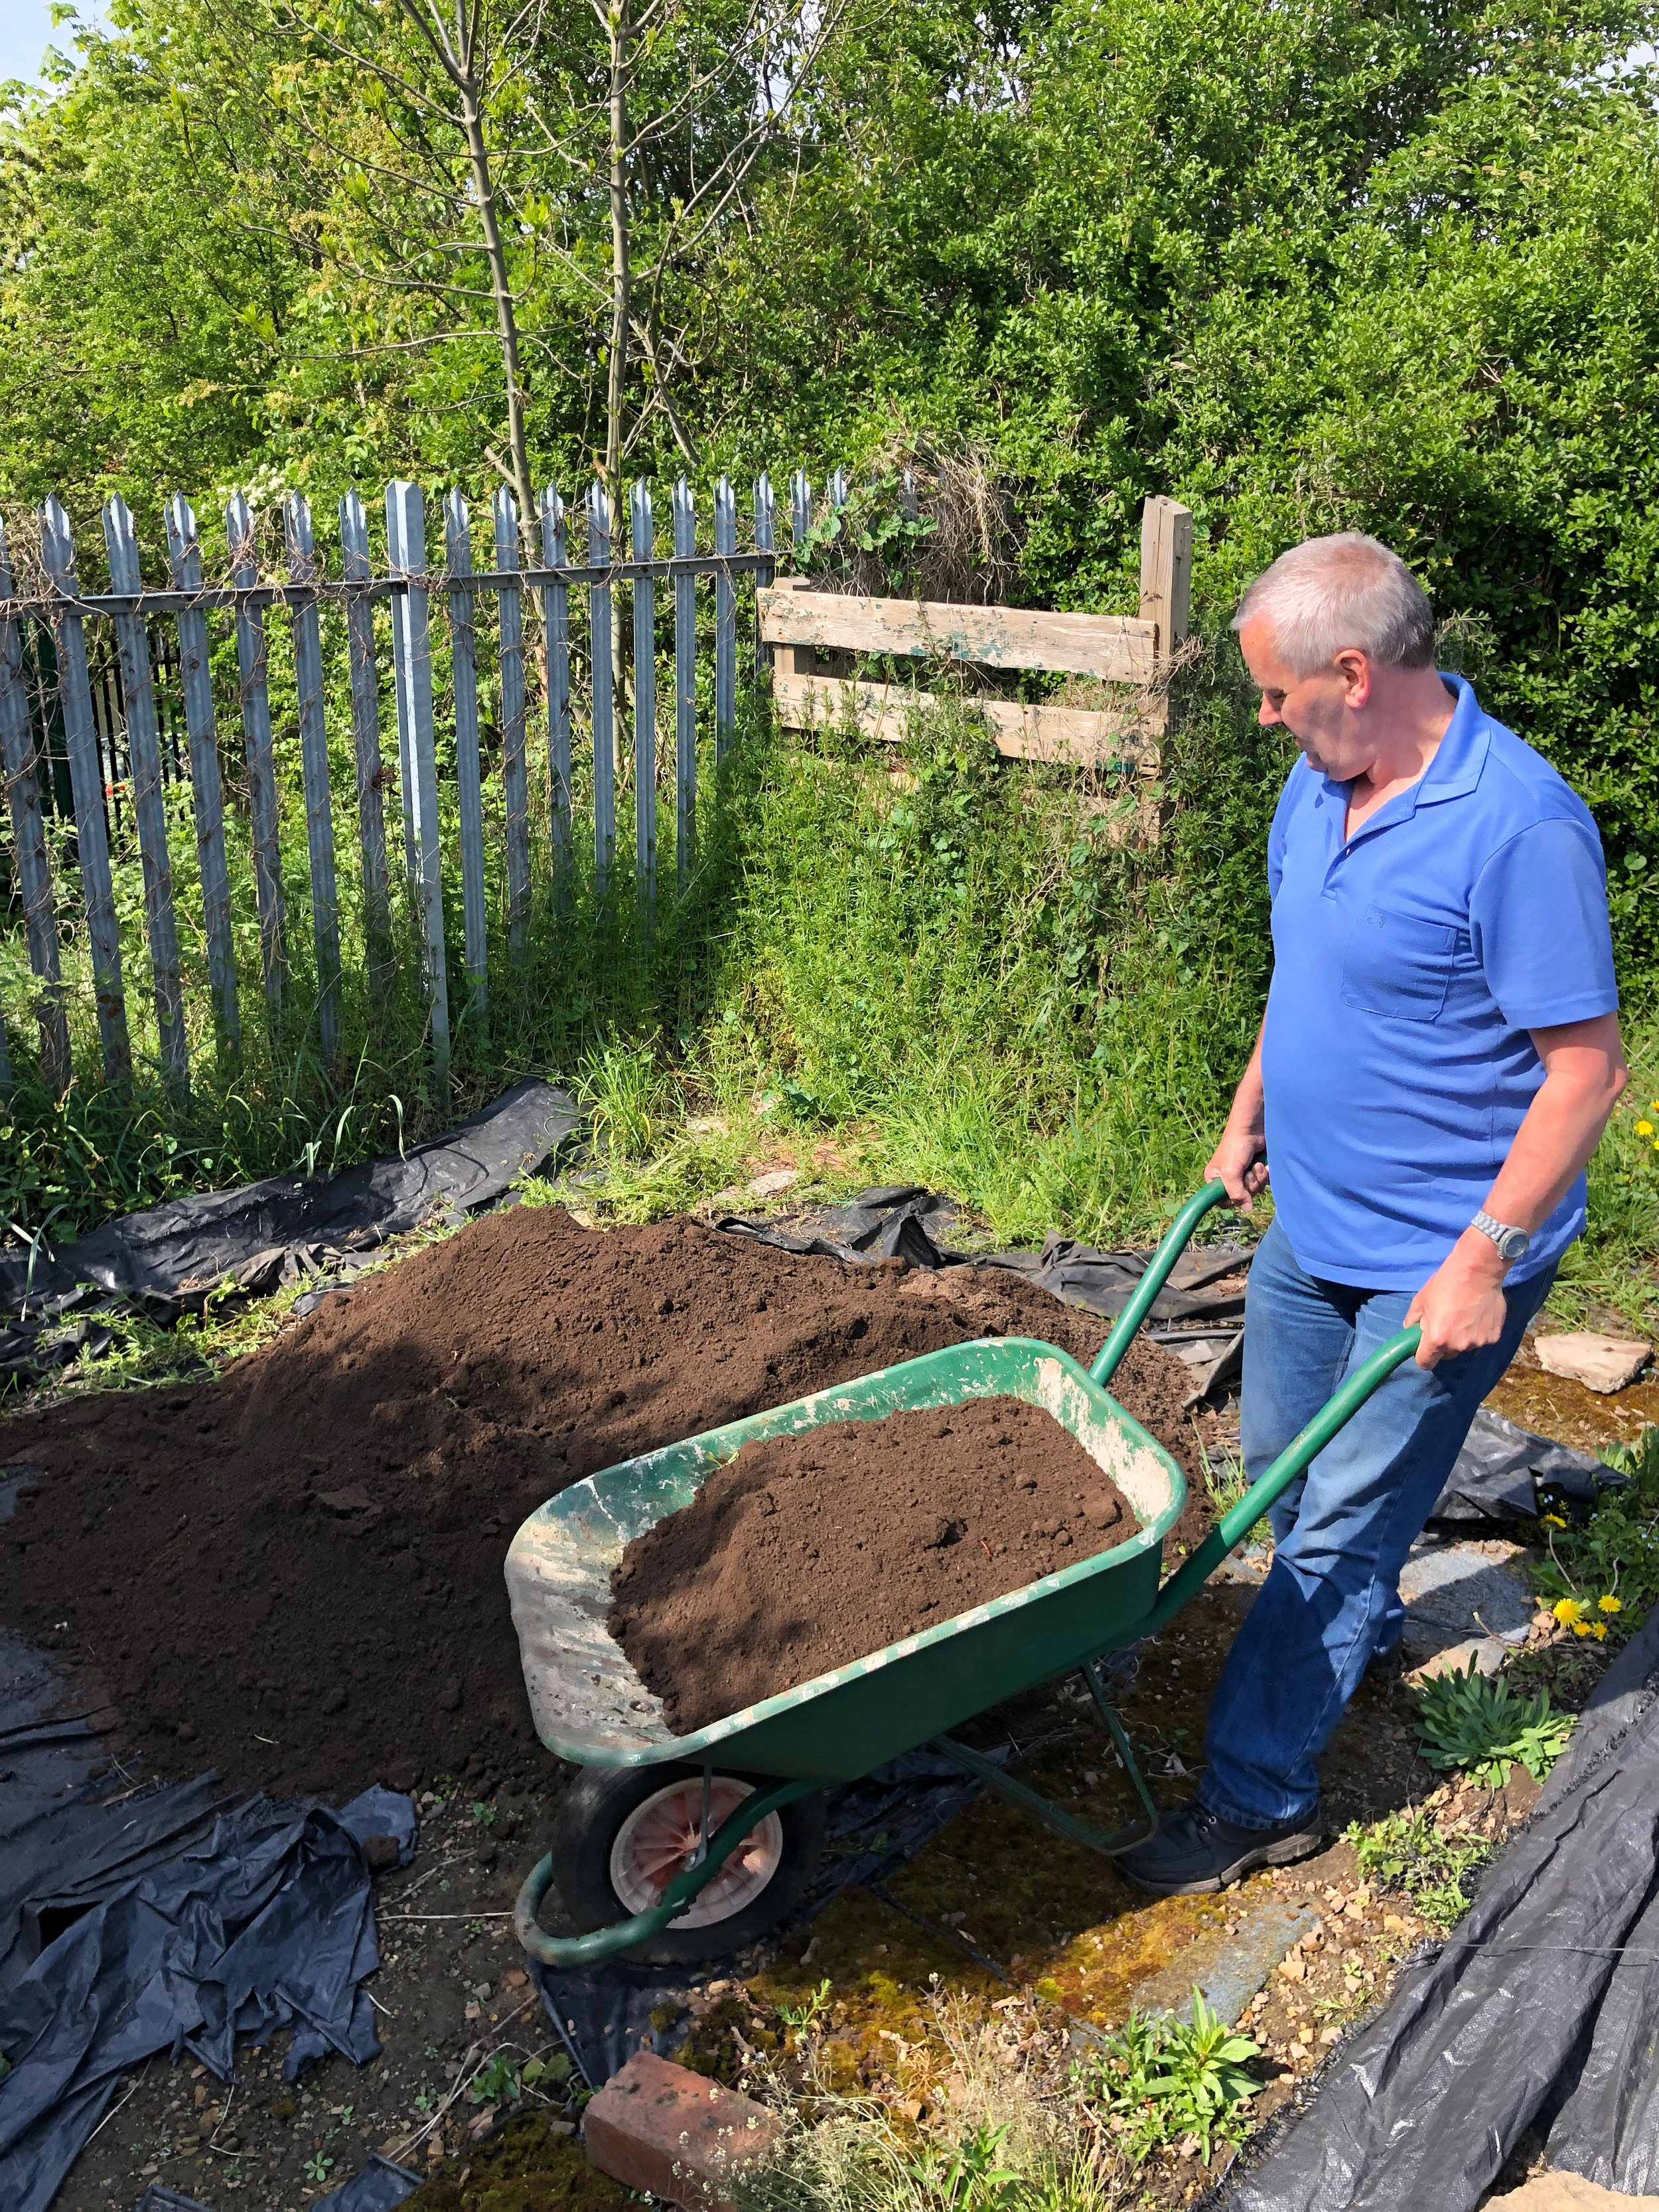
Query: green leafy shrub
x=1405 y=1852
x=1477 y=1722
x=1165 y=2079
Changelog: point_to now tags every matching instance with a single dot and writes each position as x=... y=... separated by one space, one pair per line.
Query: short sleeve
x=1538 y=916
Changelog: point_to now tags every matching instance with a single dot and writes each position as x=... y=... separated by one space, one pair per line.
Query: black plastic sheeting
x=1502 y=1469
x=166 y=1260
x=267 y=1923
x=1540 y=2010
x=604 y=2013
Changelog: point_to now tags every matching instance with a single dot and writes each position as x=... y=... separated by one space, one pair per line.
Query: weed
x=626 y=1098
x=967 y=2175
x=1164 y=2080
x=1477 y=1722
x=483 y=1813
x=1405 y=1852
x=1223 y=1475
x=495 y=2082
x=804 y=2018
x=1601 y=1573
x=554 y=2071
x=318 y=2168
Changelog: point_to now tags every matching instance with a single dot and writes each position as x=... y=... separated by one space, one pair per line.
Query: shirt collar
x=1452 y=774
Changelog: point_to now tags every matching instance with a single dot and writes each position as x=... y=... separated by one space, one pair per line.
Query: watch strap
x=1512 y=1243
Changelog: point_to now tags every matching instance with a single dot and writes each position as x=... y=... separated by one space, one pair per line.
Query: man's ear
x=1353 y=667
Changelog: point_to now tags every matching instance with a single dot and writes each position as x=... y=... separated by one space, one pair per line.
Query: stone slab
x=1568 y=2192
x=1601 y=1363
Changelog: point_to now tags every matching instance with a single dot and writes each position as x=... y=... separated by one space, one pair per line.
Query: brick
x=660 y=2129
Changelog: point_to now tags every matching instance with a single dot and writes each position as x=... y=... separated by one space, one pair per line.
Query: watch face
x=1513 y=1243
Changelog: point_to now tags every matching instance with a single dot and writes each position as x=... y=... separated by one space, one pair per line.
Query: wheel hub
x=660 y=1837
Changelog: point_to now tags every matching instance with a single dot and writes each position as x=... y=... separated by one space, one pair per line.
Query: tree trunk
x=505 y=316
x=617 y=21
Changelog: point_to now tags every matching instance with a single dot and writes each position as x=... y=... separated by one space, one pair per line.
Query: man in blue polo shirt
x=1439 y=1057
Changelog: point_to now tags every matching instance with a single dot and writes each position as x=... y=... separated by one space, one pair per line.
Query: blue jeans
x=1342 y=1531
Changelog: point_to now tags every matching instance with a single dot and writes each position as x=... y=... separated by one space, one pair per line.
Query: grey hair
x=1346 y=592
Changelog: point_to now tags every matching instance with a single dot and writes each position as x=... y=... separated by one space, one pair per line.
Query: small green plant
x=318 y=2168
x=1405 y=1852
x=484 y=1815
x=806 y=2016
x=626 y=1098
x=552 y=2072
x=1168 y=2079
x=495 y=2082
x=968 y=2175
x=1477 y=1722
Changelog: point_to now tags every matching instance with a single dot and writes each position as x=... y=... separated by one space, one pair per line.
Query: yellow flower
x=1645 y=1128
x=1552 y=1521
x=1568 y=1612
x=1598 y=1629
x=1583 y=1628
x=1610 y=1603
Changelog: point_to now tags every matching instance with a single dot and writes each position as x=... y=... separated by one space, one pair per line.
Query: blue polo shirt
x=1410 y=965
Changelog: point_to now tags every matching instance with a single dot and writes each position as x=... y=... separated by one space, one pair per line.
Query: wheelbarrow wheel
x=621 y=1835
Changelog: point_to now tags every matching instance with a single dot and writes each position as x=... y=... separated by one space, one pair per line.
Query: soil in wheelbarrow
x=809 y=1551
x=293 y=1572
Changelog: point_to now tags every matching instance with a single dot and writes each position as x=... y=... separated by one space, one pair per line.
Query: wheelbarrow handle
x=1294 y=1460
x=1153 y=1281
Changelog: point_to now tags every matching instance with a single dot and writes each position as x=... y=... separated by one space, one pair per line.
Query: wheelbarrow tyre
x=592 y=1815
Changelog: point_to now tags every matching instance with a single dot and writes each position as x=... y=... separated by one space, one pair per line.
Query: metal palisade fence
x=97 y=687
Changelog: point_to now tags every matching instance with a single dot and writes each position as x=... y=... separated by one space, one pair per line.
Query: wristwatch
x=1512 y=1244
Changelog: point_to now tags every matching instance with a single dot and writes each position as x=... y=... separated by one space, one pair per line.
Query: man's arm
x=1237 y=1159
x=1461 y=1304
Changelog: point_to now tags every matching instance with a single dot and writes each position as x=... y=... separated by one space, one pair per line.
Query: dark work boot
x=1195 y=1851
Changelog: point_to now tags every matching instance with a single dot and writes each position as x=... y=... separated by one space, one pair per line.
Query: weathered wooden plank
x=765 y=540
x=256 y=745
x=149 y=806
x=556 y=622
x=19 y=757
x=685 y=690
x=605 y=742
x=644 y=536
x=406 y=530
x=1166 y=570
x=366 y=736
x=1064 y=735
x=515 y=781
x=207 y=795
x=86 y=783
x=304 y=568
x=1116 y=648
x=463 y=675
x=726 y=622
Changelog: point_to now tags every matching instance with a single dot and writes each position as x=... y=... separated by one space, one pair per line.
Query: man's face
x=1318 y=710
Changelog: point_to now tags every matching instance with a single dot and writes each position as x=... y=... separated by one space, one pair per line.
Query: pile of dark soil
x=293 y=1573
x=809 y=1551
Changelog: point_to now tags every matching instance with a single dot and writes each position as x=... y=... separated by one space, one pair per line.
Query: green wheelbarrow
x=676 y=1848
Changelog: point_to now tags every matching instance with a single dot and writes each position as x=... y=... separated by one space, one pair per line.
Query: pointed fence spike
x=86 y=784
x=605 y=753
x=366 y=741
x=207 y=795
x=21 y=758
x=515 y=784
x=305 y=570
x=555 y=622
x=463 y=677
x=251 y=660
x=726 y=621
x=406 y=530
x=644 y=539
x=685 y=689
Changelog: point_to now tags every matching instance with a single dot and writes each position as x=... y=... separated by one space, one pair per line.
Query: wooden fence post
x=406 y=530
x=366 y=735
x=303 y=567
x=685 y=688
x=19 y=757
x=207 y=797
x=463 y=669
x=605 y=754
x=144 y=749
x=556 y=621
x=726 y=621
x=86 y=782
x=644 y=536
x=1166 y=570
x=255 y=739
x=515 y=782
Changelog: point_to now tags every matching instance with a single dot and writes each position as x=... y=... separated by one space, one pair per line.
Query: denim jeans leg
x=1333 y=1585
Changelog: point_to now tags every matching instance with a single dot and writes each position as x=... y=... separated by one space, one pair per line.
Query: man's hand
x=1237 y=1159
x=1462 y=1306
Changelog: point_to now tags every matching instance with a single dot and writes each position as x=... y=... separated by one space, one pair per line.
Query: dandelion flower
x=1609 y=1603
x=1598 y=1629
x=1568 y=1611
x=1585 y=1628
x=1552 y=1521
x=1645 y=1128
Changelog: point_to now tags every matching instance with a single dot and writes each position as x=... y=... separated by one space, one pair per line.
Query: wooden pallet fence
x=128 y=664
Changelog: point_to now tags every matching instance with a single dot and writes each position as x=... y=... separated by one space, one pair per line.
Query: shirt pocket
x=1398 y=967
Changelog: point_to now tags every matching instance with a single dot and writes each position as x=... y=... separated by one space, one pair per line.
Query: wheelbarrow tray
x=591 y=1707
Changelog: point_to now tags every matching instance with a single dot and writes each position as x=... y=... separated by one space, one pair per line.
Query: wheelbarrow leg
x=1031 y=1800
x=1115 y=1729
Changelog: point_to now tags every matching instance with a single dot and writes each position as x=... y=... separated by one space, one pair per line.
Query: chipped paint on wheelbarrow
x=590 y=1706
